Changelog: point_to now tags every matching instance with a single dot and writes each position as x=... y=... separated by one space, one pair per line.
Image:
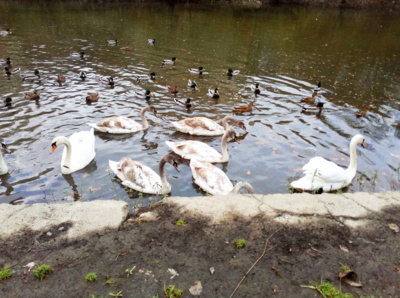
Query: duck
x=232 y=72
x=151 y=41
x=112 y=42
x=318 y=108
x=198 y=70
x=92 y=97
x=169 y=62
x=10 y=72
x=146 y=94
x=243 y=109
x=311 y=99
x=78 y=151
x=31 y=77
x=187 y=103
x=173 y=90
x=192 y=84
x=8 y=102
x=203 y=126
x=256 y=88
x=7 y=61
x=82 y=75
x=80 y=55
x=3 y=165
x=141 y=178
x=108 y=80
x=214 y=181
x=323 y=175
x=145 y=77
x=35 y=95
x=122 y=124
x=126 y=49
x=361 y=113
x=61 y=79
x=318 y=88
x=201 y=151
x=213 y=93
x=5 y=32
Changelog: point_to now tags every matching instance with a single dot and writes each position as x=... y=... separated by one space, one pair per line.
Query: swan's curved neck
x=165 y=186
x=66 y=163
x=241 y=185
x=145 y=124
x=225 y=123
x=353 y=158
x=224 y=149
x=3 y=166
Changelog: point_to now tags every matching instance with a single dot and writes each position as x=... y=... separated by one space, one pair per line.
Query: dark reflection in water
x=287 y=50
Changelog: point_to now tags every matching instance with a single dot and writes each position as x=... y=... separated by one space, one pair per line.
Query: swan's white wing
x=210 y=178
x=195 y=149
x=324 y=170
x=321 y=173
x=117 y=125
x=82 y=149
x=137 y=176
x=199 y=126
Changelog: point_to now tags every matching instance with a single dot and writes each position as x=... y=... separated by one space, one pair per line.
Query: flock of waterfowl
x=79 y=150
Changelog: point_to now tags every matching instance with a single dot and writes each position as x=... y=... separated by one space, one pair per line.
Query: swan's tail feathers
x=114 y=166
x=93 y=125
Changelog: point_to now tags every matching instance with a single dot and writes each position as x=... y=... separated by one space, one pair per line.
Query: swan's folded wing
x=321 y=168
x=210 y=178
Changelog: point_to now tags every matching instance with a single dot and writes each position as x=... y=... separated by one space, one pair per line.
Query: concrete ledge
x=290 y=208
x=81 y=217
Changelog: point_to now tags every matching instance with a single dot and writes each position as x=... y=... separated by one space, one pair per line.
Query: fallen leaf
x=351 y=278
x=394 y=227
x=212 y=270
x=344 y=248
x=173 y=272
x=196 y=289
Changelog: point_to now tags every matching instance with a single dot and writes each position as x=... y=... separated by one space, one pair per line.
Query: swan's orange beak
x=362 y=144
x=53 y=147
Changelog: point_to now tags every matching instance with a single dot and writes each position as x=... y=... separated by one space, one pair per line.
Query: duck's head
x=8 y=60
x=152 y=75
x=82 y=75
x=82 y=54
x=7 y=70
x=257 y=85
x=201 y=68
x=188 y=100
x=216 y=90
x=147 y=92
x=36 y=72
x=8 y=100
x=173 y=59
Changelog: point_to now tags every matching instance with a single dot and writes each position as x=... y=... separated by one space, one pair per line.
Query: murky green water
x=286 y=49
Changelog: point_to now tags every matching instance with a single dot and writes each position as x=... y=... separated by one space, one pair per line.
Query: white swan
x=201 y=151
x=202 y=126
x=78 y=151
x=213 y=180
x=139 y=177
x=320 y=173
x=3 y=165
x=122 y=124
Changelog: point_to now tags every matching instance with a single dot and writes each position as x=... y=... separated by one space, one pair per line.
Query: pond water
x=354 y=54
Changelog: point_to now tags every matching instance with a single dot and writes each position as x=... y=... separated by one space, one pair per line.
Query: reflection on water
x=287 y=50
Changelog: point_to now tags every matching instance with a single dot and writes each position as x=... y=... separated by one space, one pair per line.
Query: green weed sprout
x=172 y=292
x=240 y=243
x=42 y=271
x=5 y=272
x=180 y=222
x=91 y=277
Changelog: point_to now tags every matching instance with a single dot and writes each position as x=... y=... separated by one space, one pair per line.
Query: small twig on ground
x=255 y=263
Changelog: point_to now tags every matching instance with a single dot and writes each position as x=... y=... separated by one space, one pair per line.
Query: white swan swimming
x=320 y=173
x=213 y=180
x=202 y=126
x=122 y=124
x=140 y=177
x=78 y=151
x=202 y=152
x=3 y=165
